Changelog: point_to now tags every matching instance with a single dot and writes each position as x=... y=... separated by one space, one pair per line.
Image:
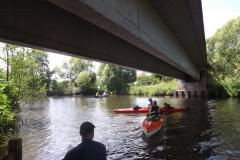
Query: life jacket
x=169 y=107
x=154 y=108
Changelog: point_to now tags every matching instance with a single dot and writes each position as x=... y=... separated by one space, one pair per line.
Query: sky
x=58 y=59
x=216 y=13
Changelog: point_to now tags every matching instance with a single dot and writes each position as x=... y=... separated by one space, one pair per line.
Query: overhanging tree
x=114 y=78
x=148 y=80
x=78 y=72
x=223 y=50
x=6 y=114
x=26 y=74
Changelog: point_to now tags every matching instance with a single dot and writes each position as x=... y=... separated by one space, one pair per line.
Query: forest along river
x=210 y=131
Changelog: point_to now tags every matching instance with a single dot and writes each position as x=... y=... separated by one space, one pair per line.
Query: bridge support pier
x=192 y=93
x=193 y=89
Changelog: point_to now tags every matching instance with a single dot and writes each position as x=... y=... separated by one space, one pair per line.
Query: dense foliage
x=163 y=88
x=147 y=80
x=6 y=114
x=27 y=73
x=115 y=79
x=223 y=51
x=27 y=78
x=78 y=76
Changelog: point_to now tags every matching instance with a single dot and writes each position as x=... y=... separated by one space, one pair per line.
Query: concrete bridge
x=164 y=37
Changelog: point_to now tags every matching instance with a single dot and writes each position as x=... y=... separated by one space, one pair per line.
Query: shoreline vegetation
x=161 y=89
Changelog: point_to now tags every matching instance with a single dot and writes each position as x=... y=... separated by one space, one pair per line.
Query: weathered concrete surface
x=143 y=24
x=126 y=33
x=194 y=89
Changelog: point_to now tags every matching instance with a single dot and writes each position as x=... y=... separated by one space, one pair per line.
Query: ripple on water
x=211 y=129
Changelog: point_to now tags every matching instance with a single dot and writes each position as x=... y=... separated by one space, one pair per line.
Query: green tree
x=82 y=79
x=147 y=80
x=56 y=88
x=69 y=70
x=93 y=77
x=78 y=72
x=26 y=74
x=43 y=66
x=223 y=51
x=6 y=113
x=115 y=79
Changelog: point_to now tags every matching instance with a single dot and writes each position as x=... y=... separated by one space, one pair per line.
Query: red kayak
x=150 y=127
x=174 y=109
x=146 y=110
x=131 y=110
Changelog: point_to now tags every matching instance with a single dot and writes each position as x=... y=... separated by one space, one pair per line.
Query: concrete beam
x=138 y=23
x=185 y=20
x=42 y=25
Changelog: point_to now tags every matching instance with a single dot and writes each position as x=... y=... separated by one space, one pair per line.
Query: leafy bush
x=6 y=116
x=163 y=88
x=91 y=90
x=216 y=88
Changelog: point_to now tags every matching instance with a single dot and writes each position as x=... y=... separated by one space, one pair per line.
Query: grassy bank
x=161 y=89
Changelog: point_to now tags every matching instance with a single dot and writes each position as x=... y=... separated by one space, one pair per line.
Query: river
x=209 y=131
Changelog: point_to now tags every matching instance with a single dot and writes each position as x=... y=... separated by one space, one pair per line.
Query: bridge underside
x=43 y=25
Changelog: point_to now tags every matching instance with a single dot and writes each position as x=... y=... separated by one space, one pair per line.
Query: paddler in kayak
x=167 y=106
x=150 y=103
x=155 y=110
x=97 y=94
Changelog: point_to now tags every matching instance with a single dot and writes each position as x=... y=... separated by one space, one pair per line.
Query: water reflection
x=209 y=131
x=224 y=118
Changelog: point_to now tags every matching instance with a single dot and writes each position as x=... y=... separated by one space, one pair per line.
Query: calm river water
x=210 y=131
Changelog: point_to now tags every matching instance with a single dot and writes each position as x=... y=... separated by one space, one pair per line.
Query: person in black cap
x=88 y=149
